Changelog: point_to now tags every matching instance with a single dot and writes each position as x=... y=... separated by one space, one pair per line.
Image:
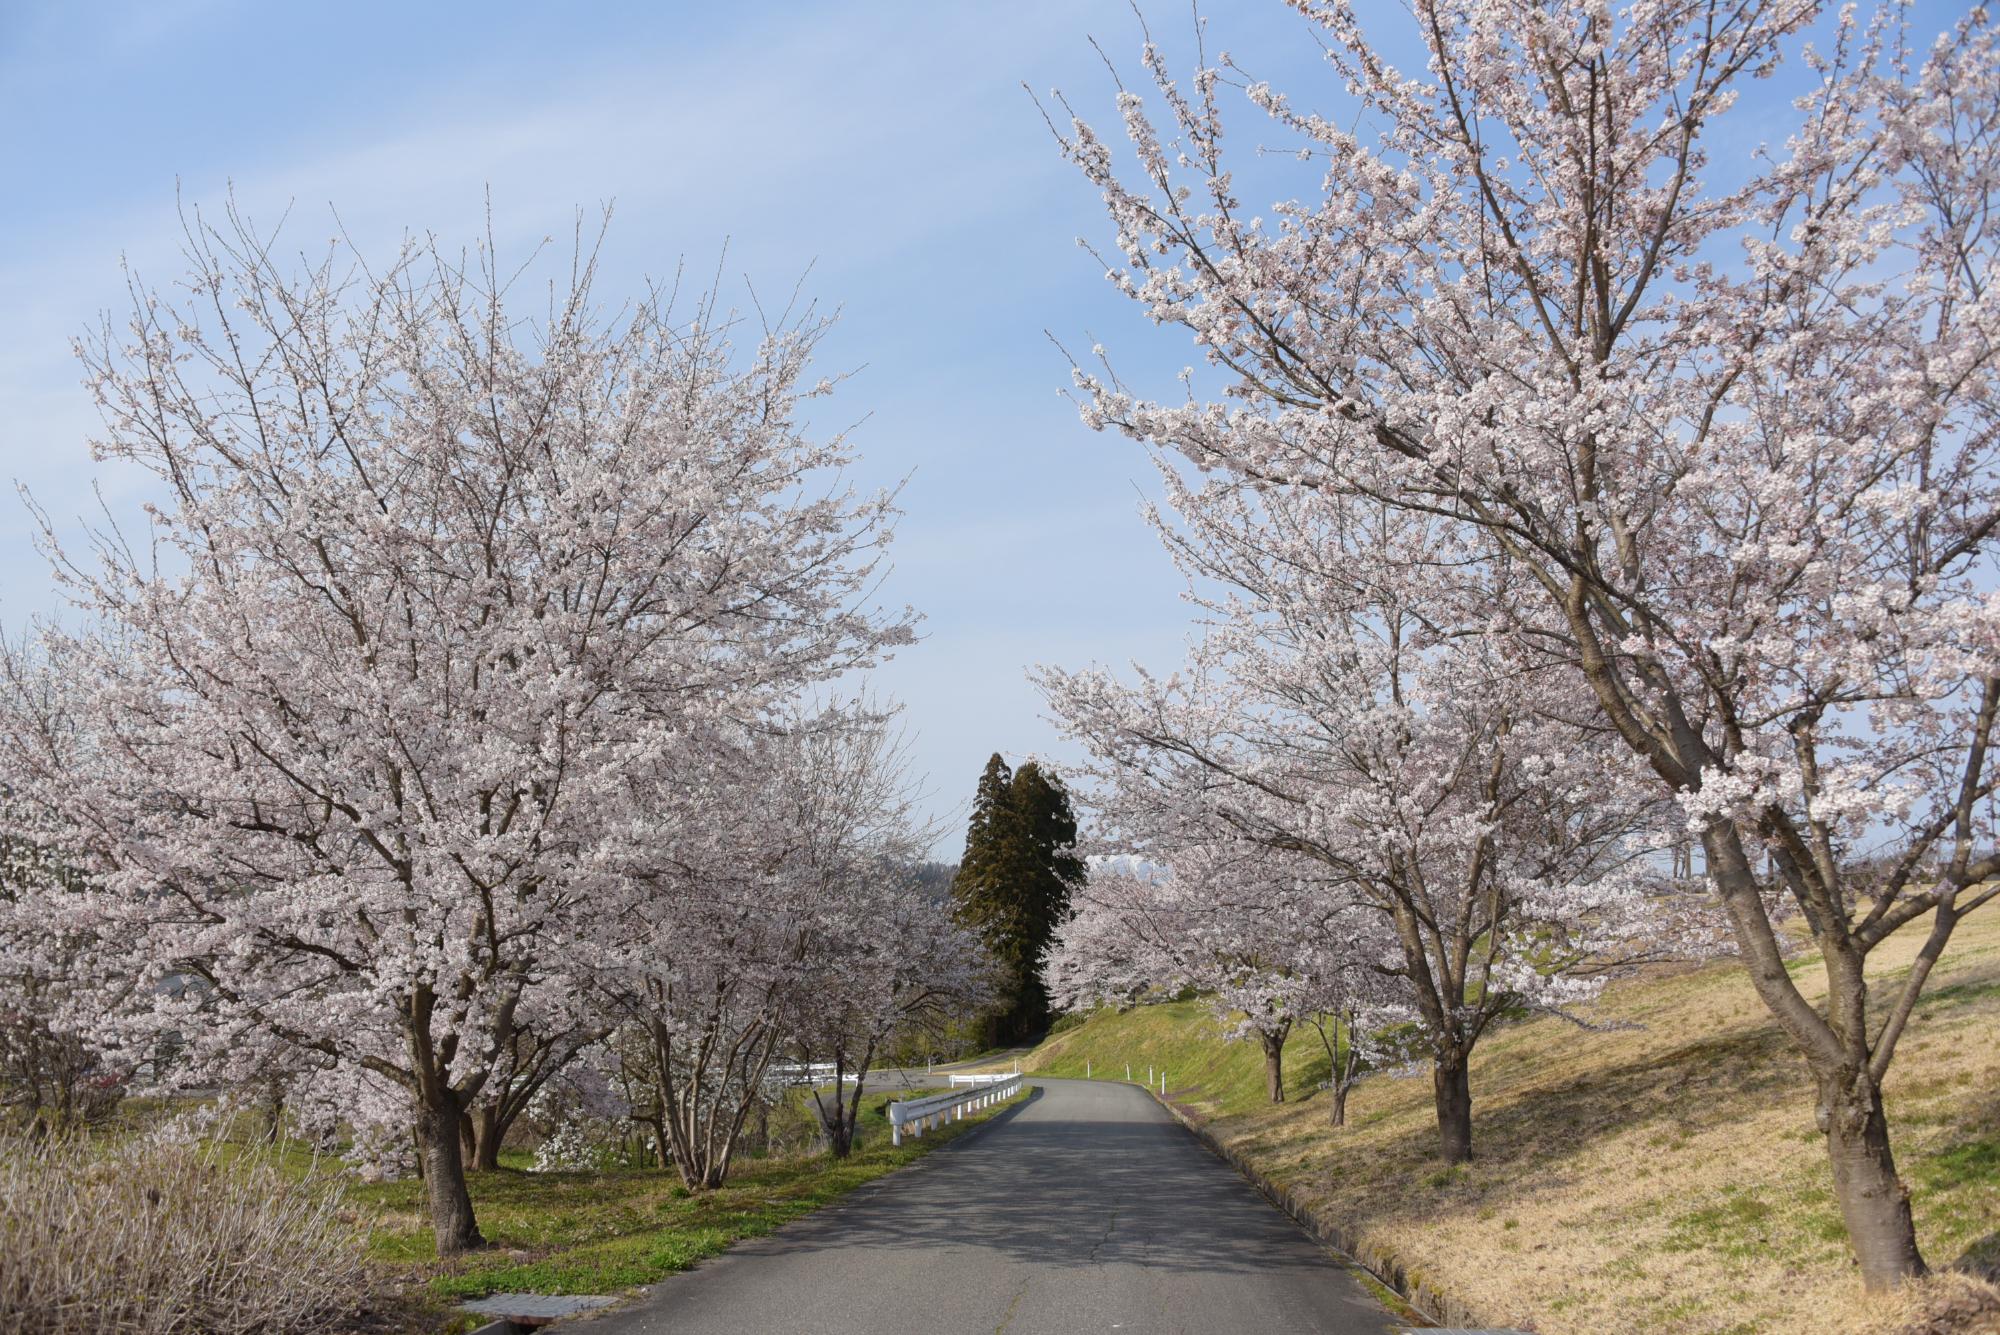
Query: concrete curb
x=1388 y=1268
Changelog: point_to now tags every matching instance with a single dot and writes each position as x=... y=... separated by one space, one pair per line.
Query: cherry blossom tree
x=772 y=908
x=57 y=1070
x=1733 y=421
x=1301 y=954
x=54 y=1074
x=1276 y=950
x=581 y=1114
x=1107 y=951
x=1269 y=950
x=1330 y=719
x=891 y=956
x=427 y=582
x=702 y=951
x=1363 y=1020
x=553 y=1026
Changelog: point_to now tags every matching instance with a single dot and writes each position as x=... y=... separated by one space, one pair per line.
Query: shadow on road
x=1108 y=1180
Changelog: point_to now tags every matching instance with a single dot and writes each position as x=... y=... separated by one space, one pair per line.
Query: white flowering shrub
x=581 y=1144
x=583 y=1118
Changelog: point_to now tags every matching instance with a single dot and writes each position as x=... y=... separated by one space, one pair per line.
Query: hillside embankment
x=1658 y=1172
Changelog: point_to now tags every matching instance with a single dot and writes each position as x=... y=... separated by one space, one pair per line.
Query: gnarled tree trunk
x=1874 y=1203
x=1274 y=1062
x=438 y=1133
x=1451 y=1082
x=489 y=1130
x=1873 y=1199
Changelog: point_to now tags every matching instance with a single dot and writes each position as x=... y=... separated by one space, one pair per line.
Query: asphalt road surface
x=1085 y=1208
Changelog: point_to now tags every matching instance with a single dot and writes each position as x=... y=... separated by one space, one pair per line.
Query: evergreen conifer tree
x=1014 y=884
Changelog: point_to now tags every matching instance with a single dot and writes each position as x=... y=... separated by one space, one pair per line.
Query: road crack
x=1110 y=1223
x=1012 y=1307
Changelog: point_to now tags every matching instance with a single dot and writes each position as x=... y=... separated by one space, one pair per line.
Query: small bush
x=153 y=1238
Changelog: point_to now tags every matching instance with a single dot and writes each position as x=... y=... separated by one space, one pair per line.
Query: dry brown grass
x=153 y=1238
x=1666 y=1178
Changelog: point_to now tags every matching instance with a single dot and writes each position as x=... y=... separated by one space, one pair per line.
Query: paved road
x=1084 y=1209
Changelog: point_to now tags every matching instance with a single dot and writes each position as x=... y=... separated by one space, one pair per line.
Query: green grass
x=600 y=1232
x=1661 y=1172
x=1733 y=1227
x=1185 y=1039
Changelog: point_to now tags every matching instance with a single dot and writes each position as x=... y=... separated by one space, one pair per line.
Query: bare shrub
x=155 y=1238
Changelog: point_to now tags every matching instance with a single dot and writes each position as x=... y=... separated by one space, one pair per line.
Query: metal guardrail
x=982 y=1077
x=801 y=1075
x=918 y=1114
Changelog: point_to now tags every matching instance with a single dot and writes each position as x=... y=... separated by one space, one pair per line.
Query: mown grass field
x=604 y=1232
x=1661 y=1174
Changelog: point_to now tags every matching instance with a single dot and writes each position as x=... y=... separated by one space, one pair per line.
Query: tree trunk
x=1337 y=1108
x=1873 y=1200
x=1452 y=1083
x=835 y=1121
x=487 y=1133
x=1274 y=1065
x=444 y=1176
x=839 y=1132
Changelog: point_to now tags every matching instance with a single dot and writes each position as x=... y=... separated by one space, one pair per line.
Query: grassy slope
x=603 y=1232
x=1183 y=1039
x=1660 y=1177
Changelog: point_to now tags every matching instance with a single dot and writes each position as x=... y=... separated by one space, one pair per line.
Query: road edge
x=1385 y=1267
x=628 y=1298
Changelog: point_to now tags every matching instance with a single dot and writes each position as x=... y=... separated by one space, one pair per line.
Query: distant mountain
x=936 y=878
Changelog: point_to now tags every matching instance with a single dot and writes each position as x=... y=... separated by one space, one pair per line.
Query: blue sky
x=889 y=144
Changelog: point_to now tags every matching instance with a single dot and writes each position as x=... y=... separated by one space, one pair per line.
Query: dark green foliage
x=936 y=879
x=1014 y=884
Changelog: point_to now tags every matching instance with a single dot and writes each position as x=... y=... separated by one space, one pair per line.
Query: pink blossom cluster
x=1681 y=447
x=1353 y=804
x=461 y=698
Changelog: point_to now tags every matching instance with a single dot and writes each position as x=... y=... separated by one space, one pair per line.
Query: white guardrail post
x=919 y=1114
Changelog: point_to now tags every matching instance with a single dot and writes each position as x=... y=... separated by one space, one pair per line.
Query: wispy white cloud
x=891 y=143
